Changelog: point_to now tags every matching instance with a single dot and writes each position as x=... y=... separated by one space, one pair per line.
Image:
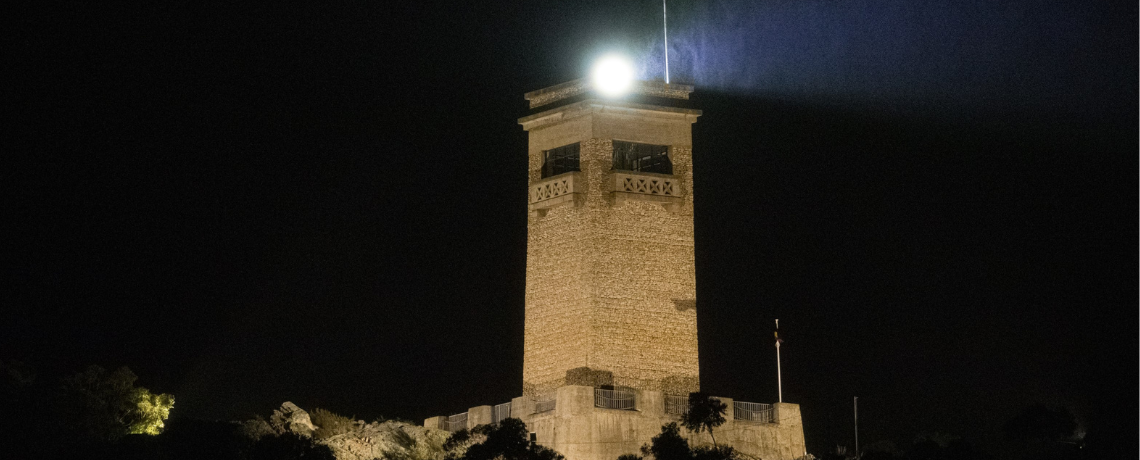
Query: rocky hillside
x=353 y=439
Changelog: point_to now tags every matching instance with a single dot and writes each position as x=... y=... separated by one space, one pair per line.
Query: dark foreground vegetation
x=101 y=414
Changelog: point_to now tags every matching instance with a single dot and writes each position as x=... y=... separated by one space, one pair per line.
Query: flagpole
x=856 y=427
x=665 y=28
x=779 y=378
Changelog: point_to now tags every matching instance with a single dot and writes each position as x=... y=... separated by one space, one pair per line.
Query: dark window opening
x=631 y=156
x=560 y=160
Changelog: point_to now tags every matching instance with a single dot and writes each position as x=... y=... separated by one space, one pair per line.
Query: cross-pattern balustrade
x=646 y=184
x=554 y=187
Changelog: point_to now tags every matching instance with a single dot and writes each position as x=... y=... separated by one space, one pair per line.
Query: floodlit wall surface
x=610 y=276
x=580 y=431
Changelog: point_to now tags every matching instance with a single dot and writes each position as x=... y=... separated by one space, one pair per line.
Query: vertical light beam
x=665 y=28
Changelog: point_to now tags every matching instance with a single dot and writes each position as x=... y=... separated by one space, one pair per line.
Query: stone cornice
x=607 y=106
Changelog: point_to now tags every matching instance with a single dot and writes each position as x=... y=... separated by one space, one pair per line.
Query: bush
x=714 y=453
x=288 y=446
x=705 y=413
x=96 y=405
x=329 y=424
x=668 y=445
x=506 y=441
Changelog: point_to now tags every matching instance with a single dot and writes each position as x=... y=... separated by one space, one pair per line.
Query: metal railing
x=454 y=423
x=753 y=412
x=500 y=412
x=614 y=399
x=544 y=403
x=676 y=404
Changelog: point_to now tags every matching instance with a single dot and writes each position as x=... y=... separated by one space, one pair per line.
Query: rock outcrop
x=389 y=440
x=292 y=419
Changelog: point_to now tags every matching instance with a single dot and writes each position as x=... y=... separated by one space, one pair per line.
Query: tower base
x=573 y=424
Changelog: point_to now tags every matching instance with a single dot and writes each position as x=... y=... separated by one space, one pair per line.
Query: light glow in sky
x=612 y=75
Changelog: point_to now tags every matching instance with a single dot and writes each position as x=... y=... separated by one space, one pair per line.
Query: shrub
x=668 y=445
x=329 y=424
x=288 y=446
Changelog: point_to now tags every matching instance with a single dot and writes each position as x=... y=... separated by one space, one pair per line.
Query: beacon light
x=612 y=75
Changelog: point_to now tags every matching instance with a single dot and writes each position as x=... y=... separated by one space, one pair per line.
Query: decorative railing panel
x=614 y=399
x=676 y=404
x=500 y=412
x=646 y=184
x=454 y=423
x=553 y=187
x=753 y=412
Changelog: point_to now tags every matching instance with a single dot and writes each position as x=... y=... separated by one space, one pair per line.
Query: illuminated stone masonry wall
x=572 y=424
x=557 y=299
x=611 y=284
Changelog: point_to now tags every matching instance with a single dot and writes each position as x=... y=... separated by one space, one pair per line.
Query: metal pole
x=779 y=378
x=856 y=427
x=665 y=24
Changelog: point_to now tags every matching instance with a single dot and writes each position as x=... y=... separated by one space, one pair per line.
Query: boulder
x=292 y=419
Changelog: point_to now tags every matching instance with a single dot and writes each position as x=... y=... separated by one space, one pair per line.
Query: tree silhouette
x=1038 y=432
x=287 y=446
x=714 y=453
x=668 y=445
x=99 y=405
x=506 y=441
x=1039 y=423
x=705 y=413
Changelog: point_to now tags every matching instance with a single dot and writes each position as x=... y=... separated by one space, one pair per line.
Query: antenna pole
x=665 y=23
x=779 y=378
x=856 y=427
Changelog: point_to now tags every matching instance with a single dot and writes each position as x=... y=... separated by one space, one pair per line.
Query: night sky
x=248 y=204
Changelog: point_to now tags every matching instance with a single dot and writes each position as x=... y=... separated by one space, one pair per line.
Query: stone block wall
x=580 y=431
x=611 y=284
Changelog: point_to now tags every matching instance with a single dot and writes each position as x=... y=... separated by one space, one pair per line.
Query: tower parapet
x=583 y=87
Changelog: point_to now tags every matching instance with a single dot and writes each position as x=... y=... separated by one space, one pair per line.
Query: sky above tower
x=247 y=203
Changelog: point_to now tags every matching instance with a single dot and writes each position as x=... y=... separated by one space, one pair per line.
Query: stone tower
x=610 y=276
x=611 y=323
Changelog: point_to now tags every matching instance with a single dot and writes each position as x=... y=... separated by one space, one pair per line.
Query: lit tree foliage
x=100 y=405
x=153 y=410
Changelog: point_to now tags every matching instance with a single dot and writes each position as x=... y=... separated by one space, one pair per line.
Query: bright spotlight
x=613 y=76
